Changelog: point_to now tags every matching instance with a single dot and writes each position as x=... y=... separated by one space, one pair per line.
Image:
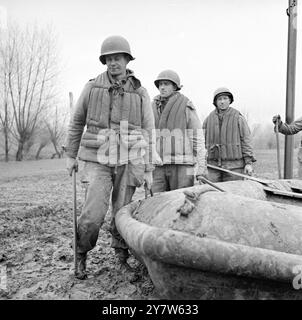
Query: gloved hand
x=248 y=169
x=276 y=118
x=148 y=178
x=71 y=164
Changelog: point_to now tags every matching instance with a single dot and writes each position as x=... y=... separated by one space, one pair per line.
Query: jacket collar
x=223 y=112
x=129 y=76
x=160 y=99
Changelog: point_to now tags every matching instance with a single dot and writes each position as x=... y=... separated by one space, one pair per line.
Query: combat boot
x=122 y=255
x=130 y=273
x=81 y=270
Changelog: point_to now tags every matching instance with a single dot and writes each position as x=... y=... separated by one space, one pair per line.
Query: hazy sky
x=240 y=44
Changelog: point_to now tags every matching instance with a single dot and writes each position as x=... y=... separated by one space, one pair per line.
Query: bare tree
x=5 y=115
x=43 y=138
x=32 y=70
x=56 y=129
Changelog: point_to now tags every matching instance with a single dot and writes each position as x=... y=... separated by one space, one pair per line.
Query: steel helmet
x=115 y=44
x=220 y=92
x=168 y=75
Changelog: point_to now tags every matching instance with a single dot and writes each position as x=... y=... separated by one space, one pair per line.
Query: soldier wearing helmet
x=180 y=141
x=115 y=148
x=228 y=139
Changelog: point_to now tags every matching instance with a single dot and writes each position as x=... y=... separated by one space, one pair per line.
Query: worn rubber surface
x=197 y=238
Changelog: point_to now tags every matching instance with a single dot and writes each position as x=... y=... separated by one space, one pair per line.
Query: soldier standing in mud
x=116 y=147
x=180 y=140
x=228 y=139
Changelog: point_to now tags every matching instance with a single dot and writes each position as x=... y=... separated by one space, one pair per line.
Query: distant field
x=265 y=167
x=13 y=169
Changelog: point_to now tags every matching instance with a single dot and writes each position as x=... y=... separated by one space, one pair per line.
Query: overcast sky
x=240 y=44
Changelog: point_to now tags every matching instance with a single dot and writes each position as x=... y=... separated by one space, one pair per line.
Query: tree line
x=30 y=108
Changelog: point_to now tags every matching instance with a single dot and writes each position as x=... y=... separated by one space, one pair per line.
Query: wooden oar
x=263 y=181
x=267 y=183
x=210 y=183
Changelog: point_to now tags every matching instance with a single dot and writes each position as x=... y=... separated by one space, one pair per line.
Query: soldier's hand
x=148 y=178
x=248 y=169
x=276 y=118
x=71 y=164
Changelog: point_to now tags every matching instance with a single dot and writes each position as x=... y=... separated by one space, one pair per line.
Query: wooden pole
x=202 y=179
x=75 y=244
x=241 y=175
x=74 y=187
x=290 y=86
x=278 y=149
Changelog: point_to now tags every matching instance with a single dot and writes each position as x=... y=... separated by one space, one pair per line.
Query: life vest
x=113 y=120
x=173 y=142
x=223 y=141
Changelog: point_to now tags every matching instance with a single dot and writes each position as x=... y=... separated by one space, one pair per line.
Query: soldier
x=291 y=129
x=180 y=141
x=288 y=129
x=116 y=147
x=228 y=139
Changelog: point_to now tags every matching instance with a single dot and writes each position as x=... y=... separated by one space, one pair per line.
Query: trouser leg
x=95 y=206
x=180 y=176
x=159 y=179
x=214 y=175
x=121 y=195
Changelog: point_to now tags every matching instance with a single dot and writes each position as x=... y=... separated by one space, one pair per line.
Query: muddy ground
x=36 y=257
x=36 y=235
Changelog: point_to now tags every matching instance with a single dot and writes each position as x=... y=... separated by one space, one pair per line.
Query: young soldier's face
x=116 y=64
x=223 y=102
x=166 y=88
